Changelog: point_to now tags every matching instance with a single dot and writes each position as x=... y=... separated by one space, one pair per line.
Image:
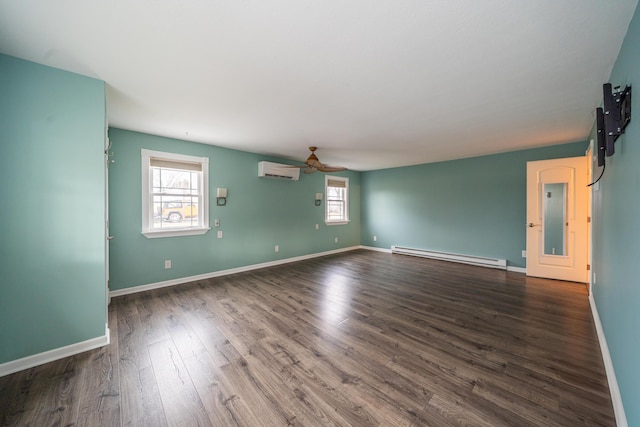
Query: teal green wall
x=474 y=206
x=616 y=237
x=52 y=252
x=260 y=213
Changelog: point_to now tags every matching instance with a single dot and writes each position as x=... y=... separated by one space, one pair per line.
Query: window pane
x=174 y=181
x=336 y=202
x=335 y=193
x=175 y=198
x=335 y=210
x=171 y=212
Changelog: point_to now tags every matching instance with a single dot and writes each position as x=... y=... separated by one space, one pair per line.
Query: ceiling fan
x=312 y=164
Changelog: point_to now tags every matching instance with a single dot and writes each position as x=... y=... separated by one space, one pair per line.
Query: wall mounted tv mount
x=611 y=121
x=617 y=114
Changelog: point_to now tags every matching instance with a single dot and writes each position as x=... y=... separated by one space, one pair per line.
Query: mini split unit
x=279 y=171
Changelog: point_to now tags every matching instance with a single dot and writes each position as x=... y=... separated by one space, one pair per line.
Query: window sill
x=175 y=233
x=337 y=222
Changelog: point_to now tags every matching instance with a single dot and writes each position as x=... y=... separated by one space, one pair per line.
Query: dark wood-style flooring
x=358 y=339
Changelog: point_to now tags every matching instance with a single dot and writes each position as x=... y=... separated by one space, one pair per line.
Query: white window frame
x=345 y=220
x=147 y=195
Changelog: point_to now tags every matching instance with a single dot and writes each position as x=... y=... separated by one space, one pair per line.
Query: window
x=336 y=200
x=174 y=194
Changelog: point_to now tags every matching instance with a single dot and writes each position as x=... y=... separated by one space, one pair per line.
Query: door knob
x=109 y=237
x=530 y=225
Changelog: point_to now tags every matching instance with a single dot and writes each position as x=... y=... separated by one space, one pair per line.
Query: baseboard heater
x=445 y=256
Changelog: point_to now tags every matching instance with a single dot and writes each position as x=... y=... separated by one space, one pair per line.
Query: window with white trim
x=336 y=200
x=174 y=194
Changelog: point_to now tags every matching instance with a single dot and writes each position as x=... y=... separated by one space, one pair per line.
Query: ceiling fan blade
x=326 y=168
x=309 y=170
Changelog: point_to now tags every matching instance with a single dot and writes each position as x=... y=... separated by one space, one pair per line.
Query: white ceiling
x=373 y=83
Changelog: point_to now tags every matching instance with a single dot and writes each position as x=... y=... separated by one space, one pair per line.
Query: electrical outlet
x=524 y=254
x=317 y=226
x=335 y=240
x=276 y=248
x=220 y=234
x=375 y=238
x=167 y=263
x=594 y=277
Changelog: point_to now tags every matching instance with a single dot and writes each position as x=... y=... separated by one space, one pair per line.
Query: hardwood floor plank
x=541 y=381
x=238 y=376
x=100 y=391
x=272 y=366
x=522 y=407
x=180 y=331
x=151 y=315
x=180 y=400
x=459 y=411
x=54 y=398
x=224 y=407
x=140 y=399
x=141 y=404
x=15 y=391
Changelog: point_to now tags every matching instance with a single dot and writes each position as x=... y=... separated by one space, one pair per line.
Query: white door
x=557 y=219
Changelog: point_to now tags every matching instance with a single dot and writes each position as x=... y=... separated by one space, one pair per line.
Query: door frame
x=584 y=228
x=590 y=159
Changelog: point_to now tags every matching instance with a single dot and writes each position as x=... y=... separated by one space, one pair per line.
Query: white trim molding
x=385 y=250
x=616 y=398
x=174 y=282
x=373 y=248
x=180 y=161
x=55 y=354
x=448 y=256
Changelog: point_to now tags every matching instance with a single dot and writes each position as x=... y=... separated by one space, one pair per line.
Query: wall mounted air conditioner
x=277 y=170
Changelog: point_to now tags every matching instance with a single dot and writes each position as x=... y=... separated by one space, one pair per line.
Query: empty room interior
x=367 y=213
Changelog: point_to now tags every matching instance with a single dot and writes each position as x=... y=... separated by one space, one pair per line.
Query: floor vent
x=465 y=259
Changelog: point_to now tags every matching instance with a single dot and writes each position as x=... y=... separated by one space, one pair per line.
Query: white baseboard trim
x=509 y=267
x=173 y=282
x=616 y=398
x=373 y=248
x=450 y=256
x=55 y=354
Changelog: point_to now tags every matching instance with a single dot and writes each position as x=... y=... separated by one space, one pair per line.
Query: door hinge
x=588 y=219
x=588 y=267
